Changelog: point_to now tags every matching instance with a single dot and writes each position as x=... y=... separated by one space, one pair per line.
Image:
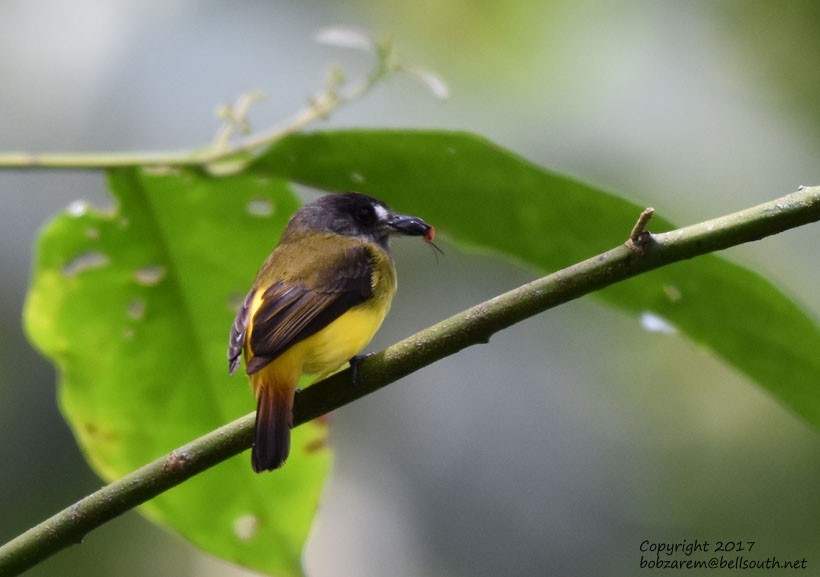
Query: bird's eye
x=365 y=215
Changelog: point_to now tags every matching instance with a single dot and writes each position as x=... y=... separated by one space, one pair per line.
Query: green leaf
x=134 y=306
x=483 y=196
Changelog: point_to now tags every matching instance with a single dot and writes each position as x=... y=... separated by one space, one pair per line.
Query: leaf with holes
x=134 y=306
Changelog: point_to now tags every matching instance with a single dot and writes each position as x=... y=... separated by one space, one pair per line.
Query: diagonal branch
x=472 y=326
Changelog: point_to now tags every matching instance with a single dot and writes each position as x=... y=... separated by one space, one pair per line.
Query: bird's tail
x=274 y=419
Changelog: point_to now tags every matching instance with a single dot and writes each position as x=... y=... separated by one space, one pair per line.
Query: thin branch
x=472 y=326
x=333 y=97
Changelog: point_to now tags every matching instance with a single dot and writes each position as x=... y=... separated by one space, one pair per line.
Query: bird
x=315 y=303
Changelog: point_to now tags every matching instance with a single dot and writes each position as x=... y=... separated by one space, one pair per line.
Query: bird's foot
x=354 y=366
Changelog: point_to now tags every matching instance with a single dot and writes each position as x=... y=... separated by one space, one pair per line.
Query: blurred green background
x=568 y=440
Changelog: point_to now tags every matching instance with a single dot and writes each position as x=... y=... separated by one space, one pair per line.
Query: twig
x=639 y=237
x=473 y=326
x=331 y=98
x=235 y=118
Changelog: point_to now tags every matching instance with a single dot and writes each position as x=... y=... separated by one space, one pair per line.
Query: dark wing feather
x=238 y=330
x=290 y=312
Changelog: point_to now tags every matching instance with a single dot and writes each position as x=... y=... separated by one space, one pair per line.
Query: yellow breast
x=330 y=348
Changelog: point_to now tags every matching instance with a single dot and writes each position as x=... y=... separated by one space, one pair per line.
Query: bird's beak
x=409 y=225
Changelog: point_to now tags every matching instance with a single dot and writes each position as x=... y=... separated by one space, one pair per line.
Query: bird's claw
x=354 y=366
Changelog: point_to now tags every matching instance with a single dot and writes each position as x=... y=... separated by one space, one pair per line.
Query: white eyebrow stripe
x=381 y=212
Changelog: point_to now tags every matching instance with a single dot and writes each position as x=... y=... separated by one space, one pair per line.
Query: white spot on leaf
x=656 y=324
x=149 y=275
x=235 y=301
x=246 y=527
x=672 y=292
x=136 y=309
x=260 y=207
x=86 y=261
x=77 y=208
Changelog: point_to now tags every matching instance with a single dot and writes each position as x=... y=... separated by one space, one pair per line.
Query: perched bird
x=316 y=302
